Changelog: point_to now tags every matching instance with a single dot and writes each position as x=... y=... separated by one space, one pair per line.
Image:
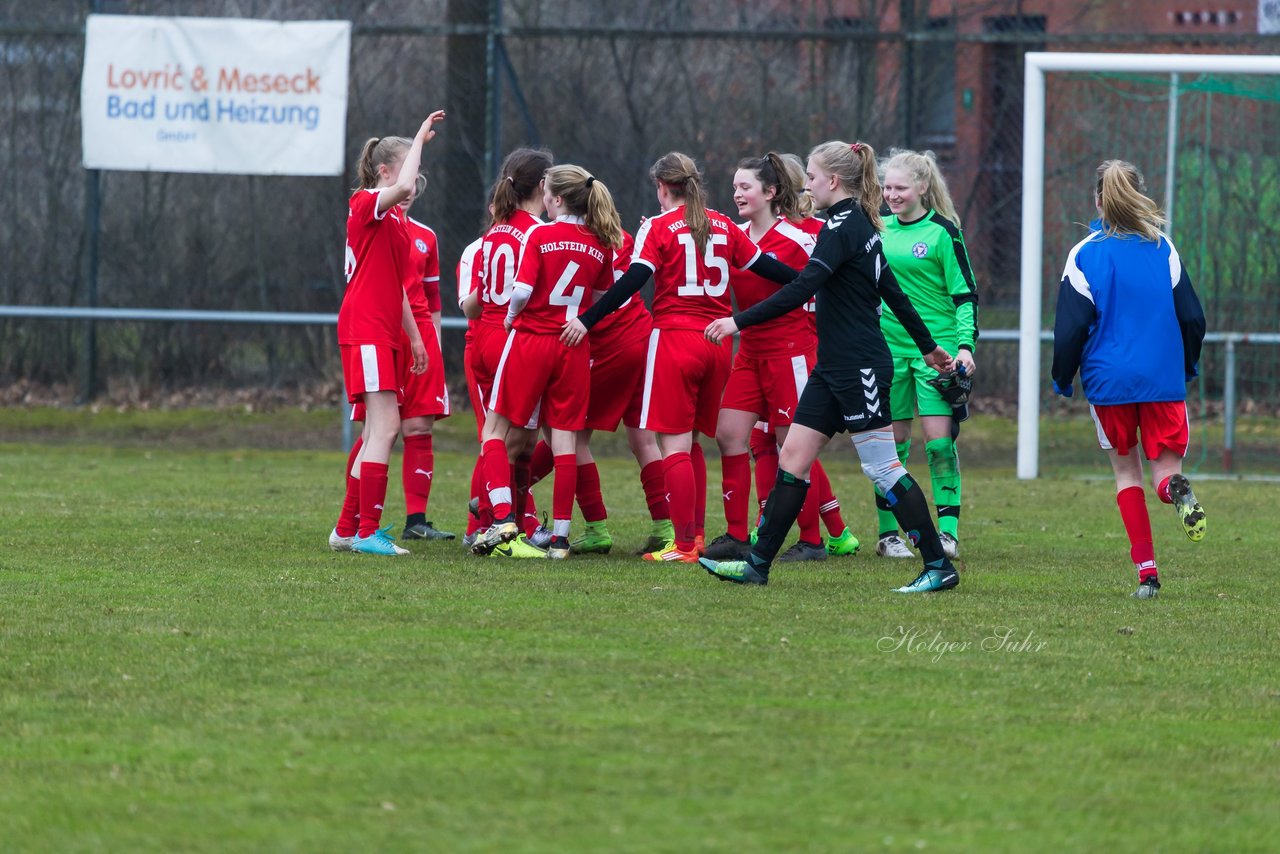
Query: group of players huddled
x=851 y=323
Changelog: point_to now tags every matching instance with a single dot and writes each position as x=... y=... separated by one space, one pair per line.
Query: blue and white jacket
x=1127 y=319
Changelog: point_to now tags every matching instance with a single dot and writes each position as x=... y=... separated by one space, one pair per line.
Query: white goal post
x=1033 y=131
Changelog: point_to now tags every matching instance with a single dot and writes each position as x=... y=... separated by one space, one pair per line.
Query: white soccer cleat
x=893 y=546
x=950 y=546
x=340 y=544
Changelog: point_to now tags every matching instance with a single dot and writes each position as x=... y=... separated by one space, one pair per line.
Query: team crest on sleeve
x=920 y=250
x=421 y=245
x=773 y=255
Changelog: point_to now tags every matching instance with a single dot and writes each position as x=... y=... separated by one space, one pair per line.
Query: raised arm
x=402 y=189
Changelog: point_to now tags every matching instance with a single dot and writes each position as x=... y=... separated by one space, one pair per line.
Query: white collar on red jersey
x=571 y=218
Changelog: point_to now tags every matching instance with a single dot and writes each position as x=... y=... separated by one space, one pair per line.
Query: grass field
x=187 y=667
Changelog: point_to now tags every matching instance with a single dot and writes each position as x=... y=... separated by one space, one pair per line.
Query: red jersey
x=632 y=315
x=691 y=289
x=563 y=265
x=424 y=271
x=500 y=253
x=469 y=276
x=376 y=267
x=793 y=332
x=424 y=291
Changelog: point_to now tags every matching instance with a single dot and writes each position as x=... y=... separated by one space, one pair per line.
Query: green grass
x=187 y=667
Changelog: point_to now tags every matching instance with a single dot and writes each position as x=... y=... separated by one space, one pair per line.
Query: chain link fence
x=611 y=87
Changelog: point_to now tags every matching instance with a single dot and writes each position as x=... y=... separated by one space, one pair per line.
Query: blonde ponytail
x=585 y=196
x=1126 y=209
x=679 y=173
x=377 y=151
x=854 y=163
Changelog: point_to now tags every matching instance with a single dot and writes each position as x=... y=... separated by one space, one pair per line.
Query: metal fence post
x=1229 y=406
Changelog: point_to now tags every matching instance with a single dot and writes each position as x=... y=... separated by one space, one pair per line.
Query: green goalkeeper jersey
x=932 y=265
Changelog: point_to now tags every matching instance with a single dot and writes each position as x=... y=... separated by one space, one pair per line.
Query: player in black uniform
x=848 y=389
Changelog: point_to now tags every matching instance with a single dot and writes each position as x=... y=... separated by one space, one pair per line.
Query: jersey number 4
x=565 y=294
x=717 y=267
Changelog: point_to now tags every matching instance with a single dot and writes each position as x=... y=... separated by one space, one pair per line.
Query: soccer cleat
x=1189 y=510
x=950 y=545
x=541 y=536
x=845 y=544
x=933 y=580
x=801 y=550
x=468 y=540
x=662 y=536
x=497 y=534
x=893 y=546
x=1148 y=589
x=595 y=540
x=559 y=548
x=736 y=571
x=425 y=531
x=674 y=555
x=520 y=548
x=727 y=547
x=377 y=543
x=340 y=544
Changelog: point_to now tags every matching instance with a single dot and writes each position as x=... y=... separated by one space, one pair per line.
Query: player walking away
x=563 y=264
x=848 y=387
x=426 y=395
x=374 y=310
x=688 y=250
x=773 y=359
x=517 y=206
x=1130 y=322
x=925 y=249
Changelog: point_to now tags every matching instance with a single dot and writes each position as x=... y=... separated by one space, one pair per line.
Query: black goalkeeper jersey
x=850 y=276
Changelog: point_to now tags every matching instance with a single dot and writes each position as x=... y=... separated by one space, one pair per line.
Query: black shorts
x=846 y=402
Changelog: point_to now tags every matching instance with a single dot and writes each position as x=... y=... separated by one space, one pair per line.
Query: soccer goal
x=1192 y=123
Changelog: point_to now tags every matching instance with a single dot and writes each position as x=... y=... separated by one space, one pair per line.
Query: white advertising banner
x=1269 y=17
x=215 y=95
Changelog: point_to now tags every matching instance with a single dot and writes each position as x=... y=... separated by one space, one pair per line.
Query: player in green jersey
x=926 y=251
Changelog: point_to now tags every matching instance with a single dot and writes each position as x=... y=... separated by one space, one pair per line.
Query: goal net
x=1205 y=131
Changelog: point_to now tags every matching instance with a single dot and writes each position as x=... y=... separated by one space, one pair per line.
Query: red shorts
x=426 y=393
x=1158 y=426
x=684 y=378
x=540 y=380
x=484 y=352
x=368 y=368
x=768 y=387
x=617 y=384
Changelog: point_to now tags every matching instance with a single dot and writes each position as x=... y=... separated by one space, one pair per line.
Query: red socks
x=521 y=481
x=542 y=462
x=807 y=519
x=699 y=489
x=497 y=476
x=828 y=504
x=590 y=498
x=655 y=490
x=736 y=473
x=566 y=486
x=349 y=518
x=415 y=474
x=1137 y=524
x=373 y=492
x=764 y=448
x=1162 y=491
x=677 y=470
